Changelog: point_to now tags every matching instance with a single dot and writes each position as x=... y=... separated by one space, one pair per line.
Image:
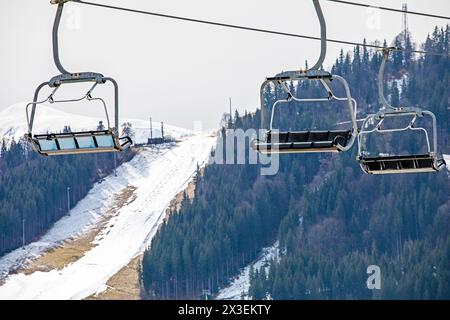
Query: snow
x=84 y=216
x=13 y=123
x=399 y=82
x=158 y=175
x=447 y=160
x=240 y=286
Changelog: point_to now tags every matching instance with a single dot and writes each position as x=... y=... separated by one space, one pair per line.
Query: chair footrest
x=291 y=147
x=303 y=141
x=399 y=164
x=332 y=137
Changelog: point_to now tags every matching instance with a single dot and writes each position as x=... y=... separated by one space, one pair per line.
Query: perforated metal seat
x=401 y=164
x=78 y=142
x=304 y=141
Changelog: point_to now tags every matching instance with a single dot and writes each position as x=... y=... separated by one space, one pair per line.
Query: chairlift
x=83 y=142
x=405 y=163
x=276 y=141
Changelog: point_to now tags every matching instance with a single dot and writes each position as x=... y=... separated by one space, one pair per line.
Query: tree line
x=33 y=189
x=332 y=220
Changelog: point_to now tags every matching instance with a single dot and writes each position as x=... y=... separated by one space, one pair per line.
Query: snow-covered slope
x=13 y=123
x=155 y=177
x=447 y=160
x=239 y=287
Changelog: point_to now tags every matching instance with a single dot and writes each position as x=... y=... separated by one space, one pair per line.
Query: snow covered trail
x=240 y=285
x=155 y=179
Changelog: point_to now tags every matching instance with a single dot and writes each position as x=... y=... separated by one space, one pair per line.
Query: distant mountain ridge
x=13 y=123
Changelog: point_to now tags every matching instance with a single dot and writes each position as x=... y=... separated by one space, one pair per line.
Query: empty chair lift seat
x=78 y=142
x=401 y=164
x=303 y=141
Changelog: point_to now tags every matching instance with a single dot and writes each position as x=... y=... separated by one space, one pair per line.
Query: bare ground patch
x=124 y=285
x=74 y=249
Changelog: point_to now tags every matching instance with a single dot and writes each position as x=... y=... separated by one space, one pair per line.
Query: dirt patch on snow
x=74 y=249
x=124 y=285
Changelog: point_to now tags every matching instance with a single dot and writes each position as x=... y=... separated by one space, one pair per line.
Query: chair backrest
x=78 y=142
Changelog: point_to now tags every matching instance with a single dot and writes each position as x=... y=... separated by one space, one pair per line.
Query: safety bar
x=299 y=76
x=415 y=112
x=63 y=79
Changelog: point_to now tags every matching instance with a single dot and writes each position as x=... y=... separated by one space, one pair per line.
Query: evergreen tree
x=34 y=188
x=331 y=220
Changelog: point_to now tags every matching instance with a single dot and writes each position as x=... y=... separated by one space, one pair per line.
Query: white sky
x=181 y=72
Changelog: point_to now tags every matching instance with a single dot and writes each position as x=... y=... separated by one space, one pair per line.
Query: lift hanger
x=406 y=163
x=74 y=142
x=307 y=141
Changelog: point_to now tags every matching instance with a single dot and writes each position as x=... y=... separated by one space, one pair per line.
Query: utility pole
x=115 y=164
x=206 y=293
x=230 y=124
x=151 y=129
x=68 y=199
x=23 y=232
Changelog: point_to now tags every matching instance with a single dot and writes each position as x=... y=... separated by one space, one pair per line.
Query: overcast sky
x=181 y=72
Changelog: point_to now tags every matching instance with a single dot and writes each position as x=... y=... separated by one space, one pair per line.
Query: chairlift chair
x=276 y=141
x=47 y=144
x=396 y=164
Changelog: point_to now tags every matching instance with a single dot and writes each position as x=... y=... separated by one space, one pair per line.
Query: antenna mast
x=405 y=22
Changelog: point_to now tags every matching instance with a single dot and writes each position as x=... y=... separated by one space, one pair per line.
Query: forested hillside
x=331 y=219
x=34 y=188
x=400 y=223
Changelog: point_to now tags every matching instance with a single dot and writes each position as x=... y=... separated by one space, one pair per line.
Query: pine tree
x=331 y=220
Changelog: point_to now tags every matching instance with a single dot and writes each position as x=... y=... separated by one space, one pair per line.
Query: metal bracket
x=76 y=77
x=301 y=75
x=397 y=112
x=59 y=1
